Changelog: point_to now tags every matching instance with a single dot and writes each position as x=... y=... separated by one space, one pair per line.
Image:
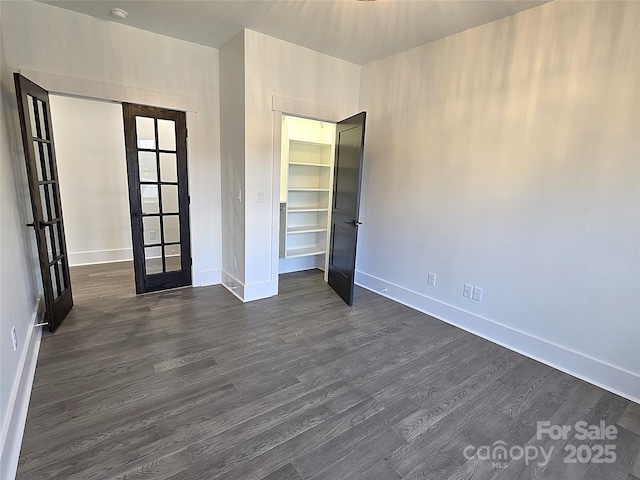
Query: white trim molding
x=100 y=256
x=84 y=88
x=301 y=108
x=16 y=416
x=259 y=290
x=577 y=364
x=204 y=278
x=234 y=285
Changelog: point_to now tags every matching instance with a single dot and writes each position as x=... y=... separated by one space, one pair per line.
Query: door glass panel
x=166 y=135
x=48 y=167
x=169 y=199
x=42 y=115
x=48 y=233
x=32 y=116
x=173 y=257
x=149 y=195
x=63 y=284
x=57 y=234
x=55 y=273
x=44 y=197
x=146 y=132
x=38 y=160
x=53 y=202
x=171 y=225
x=151 y=230
x=153 y=260
x=148 y=166
x=168 y=169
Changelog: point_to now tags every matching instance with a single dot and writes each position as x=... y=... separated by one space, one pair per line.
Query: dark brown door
x=156 y=143
x=347 y=175
x=42 y=174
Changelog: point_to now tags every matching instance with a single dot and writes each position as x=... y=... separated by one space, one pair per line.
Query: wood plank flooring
x=193 y=384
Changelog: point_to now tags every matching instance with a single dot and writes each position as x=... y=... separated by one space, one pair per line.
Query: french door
x=42 y=175
x=156 y=145
x=347 y=176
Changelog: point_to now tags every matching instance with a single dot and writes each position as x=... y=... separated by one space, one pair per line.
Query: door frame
x=108 y=92
x=296 y=108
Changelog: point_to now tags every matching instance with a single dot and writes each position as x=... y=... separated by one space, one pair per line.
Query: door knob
x=353 y=223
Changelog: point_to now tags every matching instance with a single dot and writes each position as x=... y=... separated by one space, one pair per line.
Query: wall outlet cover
x=468 y=290
x=477 y=293
x=431 y=279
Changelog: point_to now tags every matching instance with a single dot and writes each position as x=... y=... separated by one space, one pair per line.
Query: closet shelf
x=307 y=209
x=309 y=164
x=307 y=189
x=305 y=142
x=306 y=251
x=307 y=229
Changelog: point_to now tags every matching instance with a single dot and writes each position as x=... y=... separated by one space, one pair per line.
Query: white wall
x=47 y=39
x=19 y=286
x=278 y=68
x=232 y=153
x=108 y=57
x=508 y=157
x=92 y=168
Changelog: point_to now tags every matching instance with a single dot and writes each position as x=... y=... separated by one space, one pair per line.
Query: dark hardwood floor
x=192 y=384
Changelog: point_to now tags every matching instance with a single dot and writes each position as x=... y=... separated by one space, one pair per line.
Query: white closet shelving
x=309 y=172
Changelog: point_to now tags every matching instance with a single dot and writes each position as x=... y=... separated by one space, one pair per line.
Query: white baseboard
x=100 y=256
x=619 y=381
x=232 y=284
x=248 y=292
x=207 y=277
x=256 y=291
x=16 y=417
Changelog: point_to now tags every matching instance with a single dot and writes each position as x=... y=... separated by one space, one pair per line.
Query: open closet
x=306 y=187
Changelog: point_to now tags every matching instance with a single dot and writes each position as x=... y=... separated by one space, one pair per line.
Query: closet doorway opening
x=306 y=189
x=320 y=176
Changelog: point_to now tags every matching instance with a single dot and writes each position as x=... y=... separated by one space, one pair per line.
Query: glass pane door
x=156 y=157
x=42 y=174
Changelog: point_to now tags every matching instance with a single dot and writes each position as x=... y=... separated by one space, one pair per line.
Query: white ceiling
x=357 y=31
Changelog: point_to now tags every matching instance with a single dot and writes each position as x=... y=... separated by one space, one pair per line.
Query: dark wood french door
x=46 y=207
x=156 y=145
x=347 y=176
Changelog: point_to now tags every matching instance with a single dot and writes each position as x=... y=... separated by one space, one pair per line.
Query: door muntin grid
x=157 y=155
x=48 y=193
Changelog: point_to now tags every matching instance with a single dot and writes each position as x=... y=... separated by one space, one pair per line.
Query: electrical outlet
x=468 y=290
x=235 y=262
x=431 y=279
x=477 y=293
x=14 y=338
x=240 y=195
